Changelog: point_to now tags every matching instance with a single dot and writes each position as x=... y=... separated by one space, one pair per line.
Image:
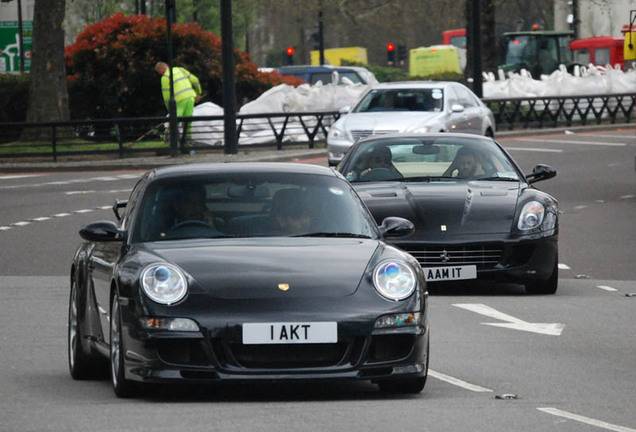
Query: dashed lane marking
x=564 y=267
x=534 y=149
x=46 y=218
x=606 y=288
x=560 y=141
x=586 y=420
x=74 y=181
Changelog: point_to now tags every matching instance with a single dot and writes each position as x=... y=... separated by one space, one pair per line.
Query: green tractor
x=539 y=52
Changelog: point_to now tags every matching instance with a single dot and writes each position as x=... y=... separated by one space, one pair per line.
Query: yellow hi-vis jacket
x=186 y=85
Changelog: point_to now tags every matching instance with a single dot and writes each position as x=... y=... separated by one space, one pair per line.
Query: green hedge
x=14 y=94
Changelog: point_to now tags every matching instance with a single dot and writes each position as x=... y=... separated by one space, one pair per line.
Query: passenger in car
x=467 y=164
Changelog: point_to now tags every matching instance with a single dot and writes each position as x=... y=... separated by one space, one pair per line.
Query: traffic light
x=390 y=53
x=290 y=55
x=401 y=54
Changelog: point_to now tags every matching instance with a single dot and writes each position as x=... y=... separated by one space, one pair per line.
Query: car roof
x=241 y=167
x=316 y=68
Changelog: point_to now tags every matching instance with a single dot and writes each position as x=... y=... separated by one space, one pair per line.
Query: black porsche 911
x=476 y=215
x=271 y=271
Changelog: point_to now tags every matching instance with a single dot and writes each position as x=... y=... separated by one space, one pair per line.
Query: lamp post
x=172 y=104
x=229 y=92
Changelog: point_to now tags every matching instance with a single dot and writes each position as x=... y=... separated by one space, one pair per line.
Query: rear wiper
x=332 y=234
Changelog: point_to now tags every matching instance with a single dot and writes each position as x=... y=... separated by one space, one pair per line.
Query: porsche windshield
x=251 y=205
x=428 y=159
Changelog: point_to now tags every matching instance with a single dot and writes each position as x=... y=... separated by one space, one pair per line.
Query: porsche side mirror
x=541 y=172
x=119 y=204
x=396 y=227
x=457 y=108
x=102 y=231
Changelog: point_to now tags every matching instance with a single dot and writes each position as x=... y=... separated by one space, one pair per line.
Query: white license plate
x=448 y=273
x=290 y=333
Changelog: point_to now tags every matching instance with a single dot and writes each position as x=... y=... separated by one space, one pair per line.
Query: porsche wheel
x=123 y=388
x=548 y=286
x=81 y=362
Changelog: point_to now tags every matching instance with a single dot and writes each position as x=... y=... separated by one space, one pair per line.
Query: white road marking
x=586 y=420
x=611 y=136
x=627 y=196
x=73 y=181
x=18 y=176
x=606 y=288
x=571 y=142
x=580 y=207
x=457 y=382
x=549 y=329
x=564 y=267
x=82 y=192
x=534 y=149
x=46 y=218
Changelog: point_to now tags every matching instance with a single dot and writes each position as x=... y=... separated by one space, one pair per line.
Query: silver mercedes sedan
x=410 y=107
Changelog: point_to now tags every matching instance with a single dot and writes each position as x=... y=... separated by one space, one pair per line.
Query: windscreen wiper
x=332 y=234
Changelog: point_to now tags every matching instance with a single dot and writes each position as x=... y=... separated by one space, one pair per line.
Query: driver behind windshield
x=189 y=205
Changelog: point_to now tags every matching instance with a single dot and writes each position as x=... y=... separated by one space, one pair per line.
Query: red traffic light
x=390 y=47
x=290 y=50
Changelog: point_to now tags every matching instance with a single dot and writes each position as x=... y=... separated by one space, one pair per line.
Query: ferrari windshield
x=411 y=99
x=251 y=205
x=428 y=159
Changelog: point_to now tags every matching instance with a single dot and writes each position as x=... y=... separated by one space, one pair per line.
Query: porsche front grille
x=483 y=256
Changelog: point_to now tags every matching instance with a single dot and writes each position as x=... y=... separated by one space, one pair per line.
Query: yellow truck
x=436 y=59
x=334 y=56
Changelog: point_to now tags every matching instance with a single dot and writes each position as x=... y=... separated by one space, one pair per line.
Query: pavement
x=245 y=154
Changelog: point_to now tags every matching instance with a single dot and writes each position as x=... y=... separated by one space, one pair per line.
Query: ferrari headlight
x=394 y=280
x=531 y=216
x=164 y=283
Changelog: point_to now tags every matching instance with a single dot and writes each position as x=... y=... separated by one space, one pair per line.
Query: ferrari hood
x=446 y=209
x=265 y=267
x=399 y=121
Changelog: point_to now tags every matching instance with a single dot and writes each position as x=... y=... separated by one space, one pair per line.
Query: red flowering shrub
x=110 y=67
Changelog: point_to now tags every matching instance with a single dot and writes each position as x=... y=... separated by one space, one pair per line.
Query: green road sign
x=10 y=46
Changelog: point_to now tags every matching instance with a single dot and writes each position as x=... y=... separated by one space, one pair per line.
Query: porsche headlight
x=164 y=283
x=531 y=216
x=394 y=280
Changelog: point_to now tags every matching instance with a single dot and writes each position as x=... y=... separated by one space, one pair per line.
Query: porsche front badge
x=283 y=286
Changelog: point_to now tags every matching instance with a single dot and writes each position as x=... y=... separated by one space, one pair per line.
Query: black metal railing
x=540 y=112
x=129 y=137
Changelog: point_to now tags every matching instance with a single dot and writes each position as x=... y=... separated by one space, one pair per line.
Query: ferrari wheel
x=123 y=388
x=81 y=362
x=548 y=286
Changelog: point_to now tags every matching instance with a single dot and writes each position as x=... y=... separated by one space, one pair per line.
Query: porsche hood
x=265 y=267
x=444 y=210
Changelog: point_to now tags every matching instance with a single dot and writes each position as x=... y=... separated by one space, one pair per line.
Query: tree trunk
x=48 y=95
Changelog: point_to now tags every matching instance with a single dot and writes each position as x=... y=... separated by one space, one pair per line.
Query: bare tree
x=48 y=95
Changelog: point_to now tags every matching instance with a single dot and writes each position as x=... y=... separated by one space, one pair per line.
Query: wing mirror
x=344 y=110
x=541 y=172
x=102 y=231
x=457 y=108
x=396 y=227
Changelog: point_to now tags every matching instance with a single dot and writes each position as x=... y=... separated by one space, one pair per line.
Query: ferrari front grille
x=483 y=256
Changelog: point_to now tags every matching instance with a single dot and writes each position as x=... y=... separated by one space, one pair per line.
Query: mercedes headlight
x=531 y=216
x=336 y=133
x=394 y=280
x=164 y=283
